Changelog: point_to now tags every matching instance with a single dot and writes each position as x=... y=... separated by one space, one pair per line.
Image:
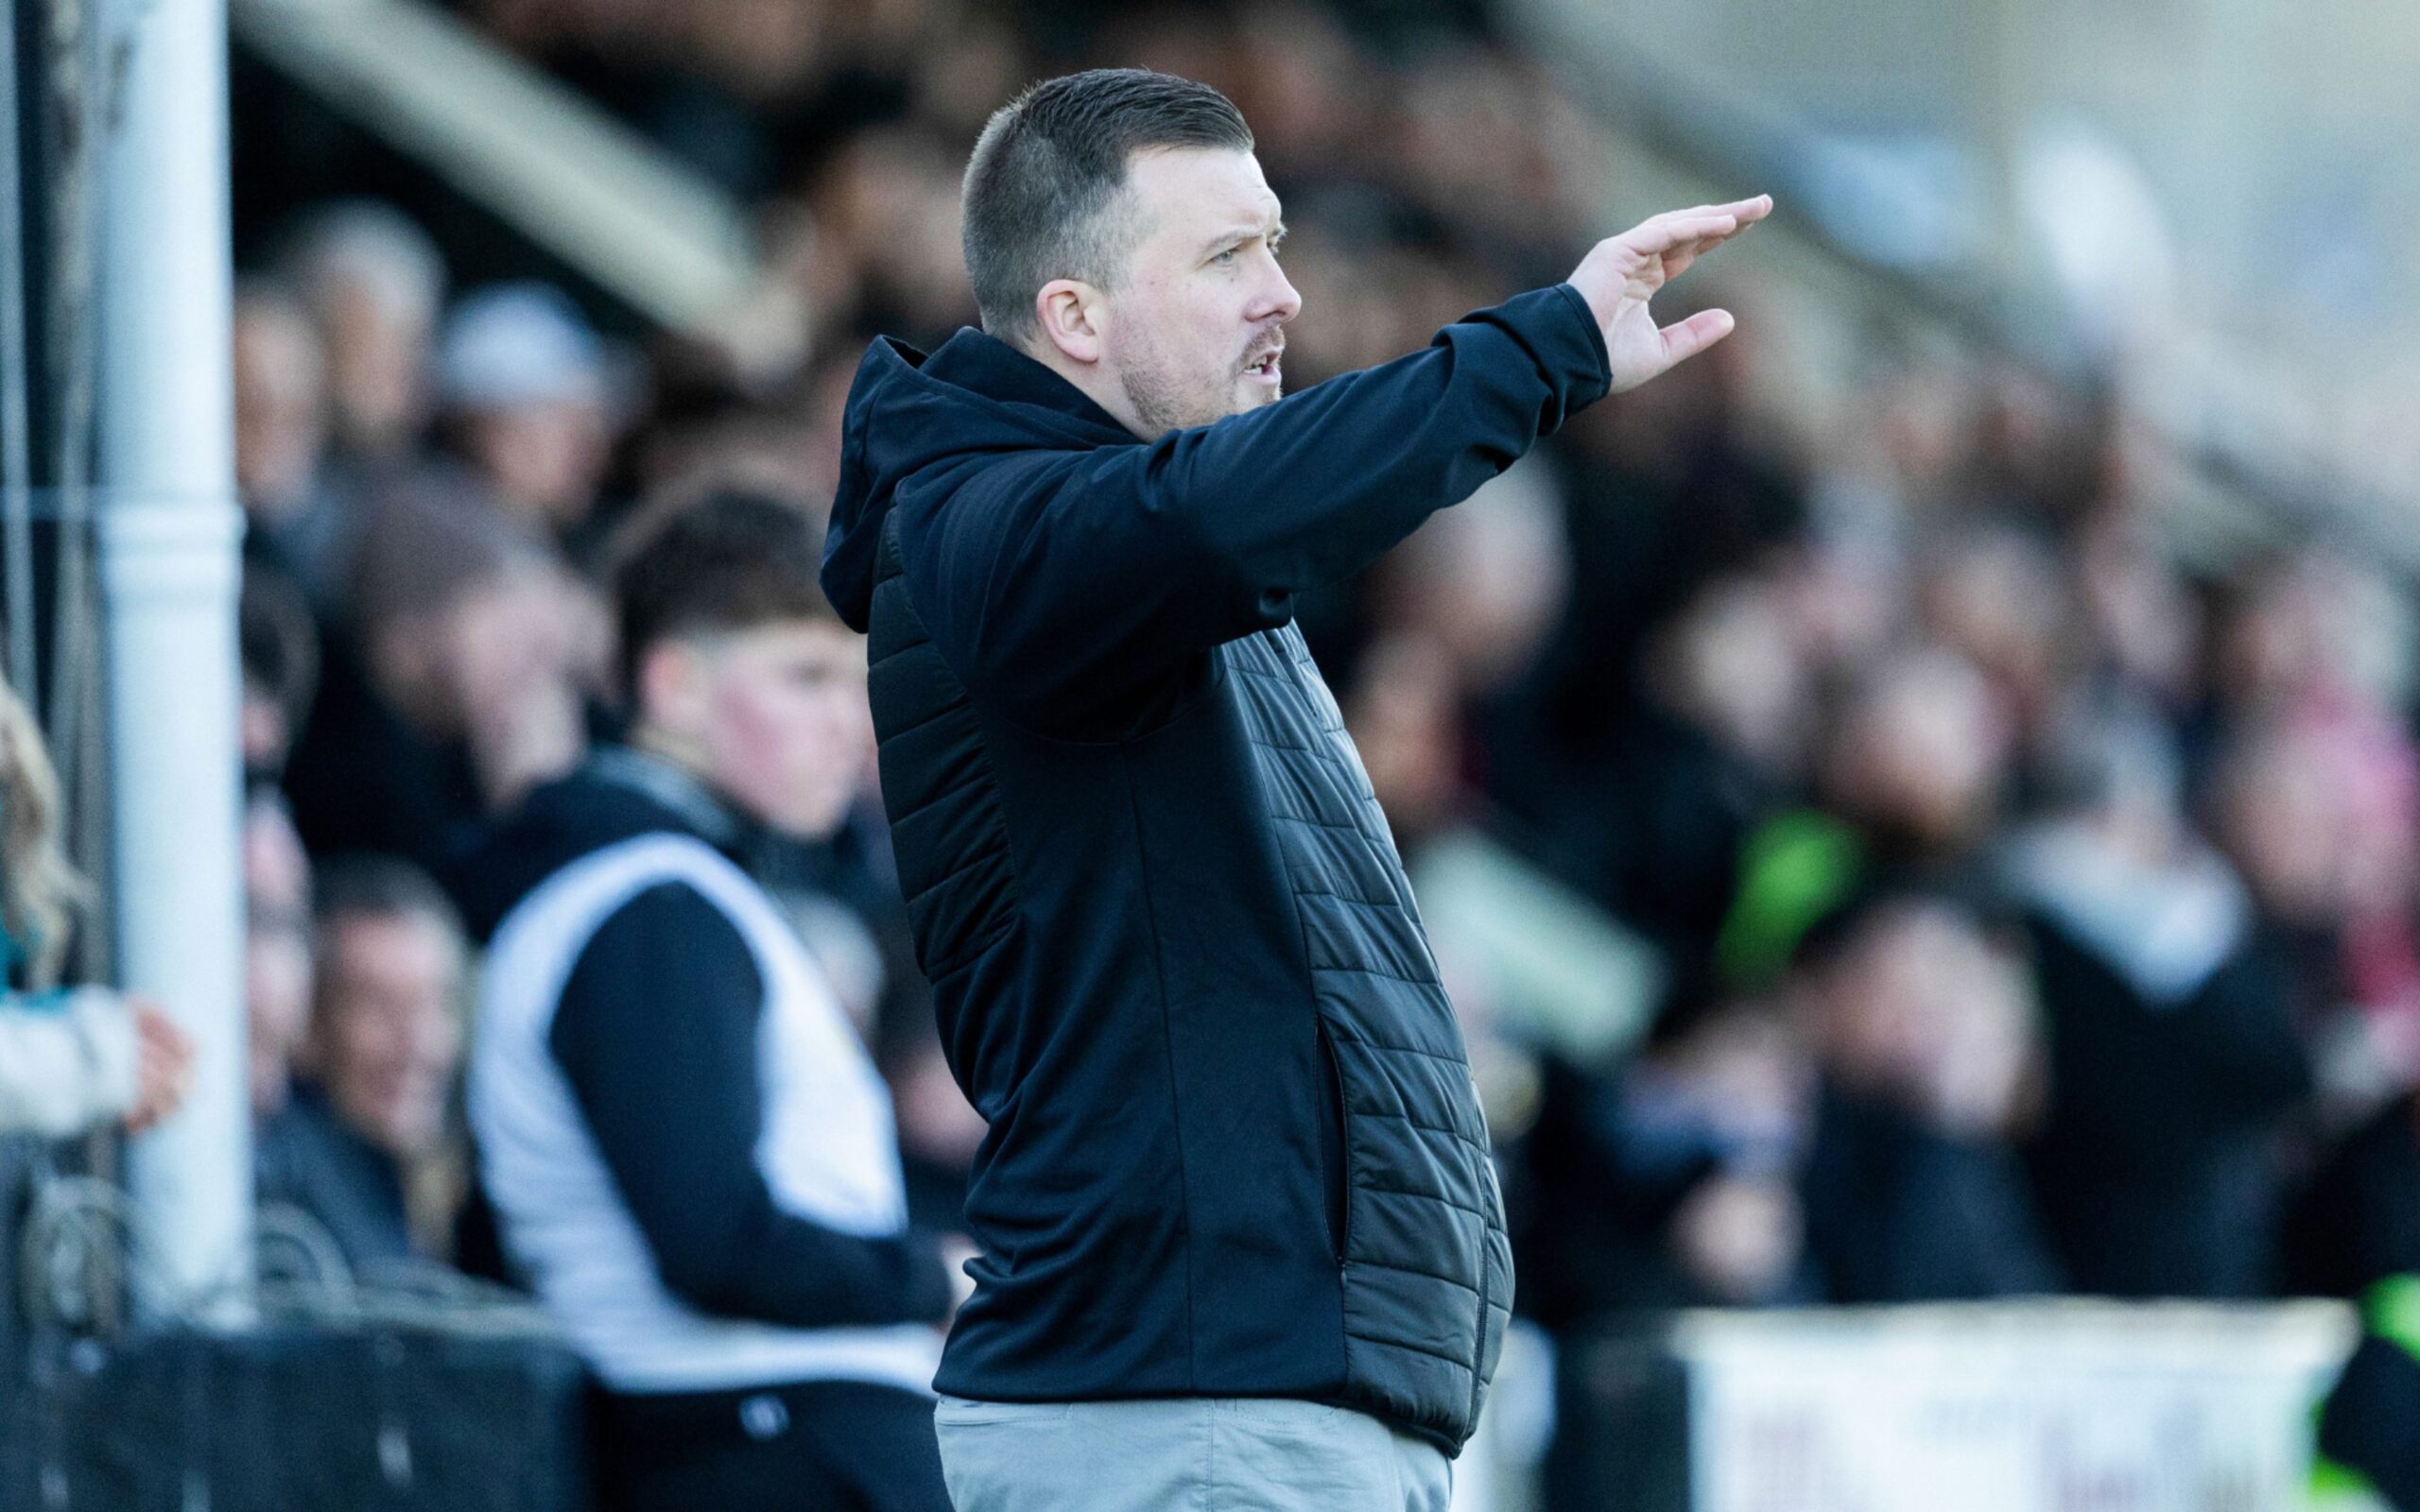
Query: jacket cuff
x=106 y=1025
x=1560 y=332
x=1602 y=361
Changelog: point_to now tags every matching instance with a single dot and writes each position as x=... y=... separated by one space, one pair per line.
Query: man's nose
x=1278 y=301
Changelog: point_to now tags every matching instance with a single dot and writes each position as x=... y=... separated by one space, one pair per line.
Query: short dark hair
x=1049 y=167
x=366 y=886
x=432 y=542
x=373 y=884
x=728 y=559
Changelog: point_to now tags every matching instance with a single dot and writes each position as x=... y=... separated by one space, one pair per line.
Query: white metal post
x=170 y=532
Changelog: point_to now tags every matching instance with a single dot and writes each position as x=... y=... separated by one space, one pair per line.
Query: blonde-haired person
x=69 y=1059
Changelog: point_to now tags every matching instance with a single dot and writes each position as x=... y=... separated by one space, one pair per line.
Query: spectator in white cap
x=522 y=377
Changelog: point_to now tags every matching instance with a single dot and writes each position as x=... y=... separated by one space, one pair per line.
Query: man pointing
x=1242 y=1241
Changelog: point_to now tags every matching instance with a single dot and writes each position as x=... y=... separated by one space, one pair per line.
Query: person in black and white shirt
x=688 y=1153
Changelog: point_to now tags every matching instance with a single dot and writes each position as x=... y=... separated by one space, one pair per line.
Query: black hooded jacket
x=1234 y=1148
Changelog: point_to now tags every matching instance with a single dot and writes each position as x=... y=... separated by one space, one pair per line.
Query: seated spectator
x=884 y=207
x=1996 y=596
x=1924 y=1032
x=523 y=381
x=373 y=283
x=1910 y=774
x=70 y=1060
x=2174 y=997
x=2172 y=1047
x=385 y=1043
x=1719 y=1170
x=1484 y=581
x=688 y=1152
x=1673 y=1184
x=457 y=694
x=300 y=517
x=1712 y=751
x=1917 y=761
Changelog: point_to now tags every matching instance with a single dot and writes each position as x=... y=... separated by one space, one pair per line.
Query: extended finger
x=1656 y=237
x=1746 y=211
x=1678 y=259
x=1686 y=339
x=1740 y=212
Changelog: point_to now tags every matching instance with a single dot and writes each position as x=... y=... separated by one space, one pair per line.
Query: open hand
x=162 y=1067
x=1621 y=273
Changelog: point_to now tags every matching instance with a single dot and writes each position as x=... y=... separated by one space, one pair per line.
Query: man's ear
x=671 y=687
x=1069 y=312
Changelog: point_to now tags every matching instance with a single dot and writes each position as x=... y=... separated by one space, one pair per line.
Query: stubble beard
x=1165 y=398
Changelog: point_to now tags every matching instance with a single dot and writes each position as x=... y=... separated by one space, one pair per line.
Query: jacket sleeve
x=657 y=1034
x=1061 y=583
x=67 y=1067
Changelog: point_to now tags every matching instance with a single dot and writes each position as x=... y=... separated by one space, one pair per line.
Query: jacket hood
x=908 y=413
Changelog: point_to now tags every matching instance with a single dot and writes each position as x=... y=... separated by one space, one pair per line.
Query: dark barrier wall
x=287 y=1420
x=1622 y=1404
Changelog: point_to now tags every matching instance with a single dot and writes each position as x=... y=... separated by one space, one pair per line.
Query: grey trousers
x=1184 y=1455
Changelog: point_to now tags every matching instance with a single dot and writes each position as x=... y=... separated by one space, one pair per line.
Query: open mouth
x=1265 y=367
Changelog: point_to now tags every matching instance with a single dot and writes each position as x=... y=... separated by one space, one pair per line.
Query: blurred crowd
x=1872 y=863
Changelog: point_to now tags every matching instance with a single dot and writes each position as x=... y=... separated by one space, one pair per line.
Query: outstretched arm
x=1061 y=584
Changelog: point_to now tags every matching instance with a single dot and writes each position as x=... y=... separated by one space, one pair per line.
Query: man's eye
x=1224 y=258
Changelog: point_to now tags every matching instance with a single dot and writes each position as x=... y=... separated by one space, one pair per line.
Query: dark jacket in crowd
x=1900 y=1212
x=1235 y=1149
x=362 y=778
x=1598 y=1183
x=1660 y=834
x=2357 y=1219
x=305 y=1158
x=2158 y=1167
